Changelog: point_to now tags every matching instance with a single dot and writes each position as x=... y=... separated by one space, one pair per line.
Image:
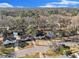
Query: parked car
x=76 y=55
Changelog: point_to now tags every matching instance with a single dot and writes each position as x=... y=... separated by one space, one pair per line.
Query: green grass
x=60 y=51
x=6 y=50
x=50 y=52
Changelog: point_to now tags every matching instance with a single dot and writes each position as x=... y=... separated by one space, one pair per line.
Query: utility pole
x=41 y=55
x=16 y=43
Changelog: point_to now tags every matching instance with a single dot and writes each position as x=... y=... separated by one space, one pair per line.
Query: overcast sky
x=39 y=3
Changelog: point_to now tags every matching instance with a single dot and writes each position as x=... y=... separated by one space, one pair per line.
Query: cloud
x=62 y=3
x=47 y=5
x=5 y=5
x=51 y=5
x=65 y=2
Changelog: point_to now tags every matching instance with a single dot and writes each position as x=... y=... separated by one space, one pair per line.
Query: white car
x=77 y=55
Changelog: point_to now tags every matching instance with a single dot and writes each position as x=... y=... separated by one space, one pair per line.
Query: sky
x=39 y=3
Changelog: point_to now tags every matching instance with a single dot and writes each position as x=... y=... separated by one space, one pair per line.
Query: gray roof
x=8 y=41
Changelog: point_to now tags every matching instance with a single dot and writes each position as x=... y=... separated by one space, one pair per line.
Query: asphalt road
x=29 y=51
x=38 y=49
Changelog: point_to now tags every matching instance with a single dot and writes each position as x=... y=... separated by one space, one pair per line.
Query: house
x=9 y=40
x=50 y=35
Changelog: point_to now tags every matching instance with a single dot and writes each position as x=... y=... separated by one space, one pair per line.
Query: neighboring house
x=50 y=35
x=29 y=37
